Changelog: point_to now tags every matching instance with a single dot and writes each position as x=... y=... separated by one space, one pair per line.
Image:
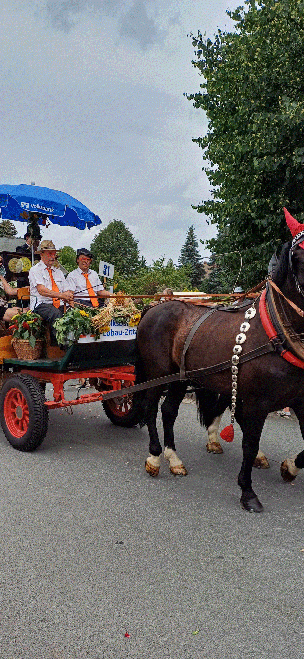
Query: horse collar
x=273 y=335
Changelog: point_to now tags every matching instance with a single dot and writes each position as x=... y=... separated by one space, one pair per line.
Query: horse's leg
x=151 y=407
x=291 y=466
x=213 y=445
x=210 y=409
x=261 y=461
x=169 y=408
x=206 y=410
x=252 y=425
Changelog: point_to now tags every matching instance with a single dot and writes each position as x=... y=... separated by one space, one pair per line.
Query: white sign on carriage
x=116 y=332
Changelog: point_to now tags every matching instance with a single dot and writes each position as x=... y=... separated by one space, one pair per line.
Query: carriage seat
x=23 y=293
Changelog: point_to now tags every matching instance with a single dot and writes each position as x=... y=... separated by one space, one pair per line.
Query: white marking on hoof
x=214 y=447
x=152 y=465
x=176 y=466
x=212 y=430
x=213 y=444
x=289 y=470
x=261 y=461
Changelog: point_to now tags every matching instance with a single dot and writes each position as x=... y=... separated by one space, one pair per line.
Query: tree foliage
x=116 y=244
x=155 y=278
x=7 y=229
x=191 y=258
x=67 y=258
x=253 y=94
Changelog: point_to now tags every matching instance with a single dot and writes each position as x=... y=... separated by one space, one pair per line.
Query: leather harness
x=275 y=344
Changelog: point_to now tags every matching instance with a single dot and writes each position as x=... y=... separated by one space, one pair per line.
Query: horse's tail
x=210 y=405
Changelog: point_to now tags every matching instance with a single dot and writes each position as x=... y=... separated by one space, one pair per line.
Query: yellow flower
x=104 y=329
x=134 y=320
x=83 y=313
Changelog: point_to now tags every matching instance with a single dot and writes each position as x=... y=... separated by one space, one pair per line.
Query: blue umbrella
x=17 y=201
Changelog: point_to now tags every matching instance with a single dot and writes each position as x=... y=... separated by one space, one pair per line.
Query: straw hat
x=47 y=245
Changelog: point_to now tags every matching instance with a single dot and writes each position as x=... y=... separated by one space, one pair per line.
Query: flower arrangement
x=27 y=326
x=121 y=309
x=72 y=325
x=76 y=321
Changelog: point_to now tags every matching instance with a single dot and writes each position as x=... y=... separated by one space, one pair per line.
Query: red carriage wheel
x=16 y=412
x=123 y=410
x=23 y=414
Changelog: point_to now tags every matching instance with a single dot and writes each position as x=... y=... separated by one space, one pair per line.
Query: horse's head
x=296 y=251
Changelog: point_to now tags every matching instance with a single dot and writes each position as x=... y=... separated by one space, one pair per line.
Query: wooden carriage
x=109 y=365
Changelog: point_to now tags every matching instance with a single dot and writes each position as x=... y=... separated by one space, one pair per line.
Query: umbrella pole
x=32 y=254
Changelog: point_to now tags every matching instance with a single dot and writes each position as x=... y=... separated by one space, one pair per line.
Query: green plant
x=28 y=326
x=73 y=324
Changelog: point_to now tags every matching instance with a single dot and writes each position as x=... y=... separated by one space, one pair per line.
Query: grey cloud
x=133 y=19
x=137 y=25
x=62 y=13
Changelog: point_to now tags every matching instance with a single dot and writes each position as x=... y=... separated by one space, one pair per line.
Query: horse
x=201 y=346
x=211 y=419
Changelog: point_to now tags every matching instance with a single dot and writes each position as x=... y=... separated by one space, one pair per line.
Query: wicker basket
x=24 y=350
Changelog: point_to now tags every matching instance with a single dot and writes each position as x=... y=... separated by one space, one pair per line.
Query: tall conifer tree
x=191 y=258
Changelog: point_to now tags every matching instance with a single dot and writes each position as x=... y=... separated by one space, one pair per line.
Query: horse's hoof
x=251 y=505
x=179 y=470
x=285 y=473
x=214 y=447
x=261 y=463
x=151 y=469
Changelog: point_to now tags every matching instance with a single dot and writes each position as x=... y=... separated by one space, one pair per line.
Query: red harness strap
x=271 y=333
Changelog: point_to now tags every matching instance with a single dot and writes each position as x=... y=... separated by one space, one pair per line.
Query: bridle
x=299 y=238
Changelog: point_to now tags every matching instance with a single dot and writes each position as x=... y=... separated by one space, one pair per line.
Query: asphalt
x=93 y=549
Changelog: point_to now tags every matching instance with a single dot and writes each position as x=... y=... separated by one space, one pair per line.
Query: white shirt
x=38 y=274
x=77 y=283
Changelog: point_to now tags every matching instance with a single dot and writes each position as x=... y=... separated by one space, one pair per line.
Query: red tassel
x=227 y=433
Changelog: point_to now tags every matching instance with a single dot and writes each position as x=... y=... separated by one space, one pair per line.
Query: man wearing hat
x=48 y=287
x=84 y=282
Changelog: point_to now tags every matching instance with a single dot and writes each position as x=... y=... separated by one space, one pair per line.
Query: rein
x=190 y=375
x=299 y=311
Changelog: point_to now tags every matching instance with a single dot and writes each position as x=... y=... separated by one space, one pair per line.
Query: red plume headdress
x=294 y=226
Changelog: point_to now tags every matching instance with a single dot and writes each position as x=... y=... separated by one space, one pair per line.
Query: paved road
x=92 y=548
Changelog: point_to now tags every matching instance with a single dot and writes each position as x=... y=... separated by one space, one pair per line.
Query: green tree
x=116 y=244
x=67 y=258
x=222 y=278
x=155 y=278
x=191 y=257
x=7 y=229
x=253 y=95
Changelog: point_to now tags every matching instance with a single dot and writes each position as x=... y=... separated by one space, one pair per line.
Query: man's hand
x=67 y=296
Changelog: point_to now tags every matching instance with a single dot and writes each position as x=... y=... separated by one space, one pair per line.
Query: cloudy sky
x=92 y=104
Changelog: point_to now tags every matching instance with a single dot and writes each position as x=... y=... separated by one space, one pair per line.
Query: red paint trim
x=113 y=378
x=271 y=333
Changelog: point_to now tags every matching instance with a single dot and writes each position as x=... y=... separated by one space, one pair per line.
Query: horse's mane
x=279 y=268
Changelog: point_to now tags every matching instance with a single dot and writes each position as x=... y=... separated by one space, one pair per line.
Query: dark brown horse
x=264 y=384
